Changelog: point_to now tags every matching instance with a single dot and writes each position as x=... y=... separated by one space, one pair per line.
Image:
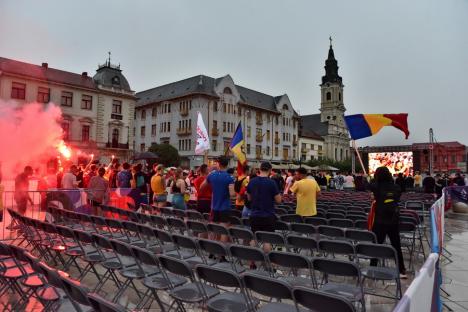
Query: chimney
x=84 y=74
x=45 y=65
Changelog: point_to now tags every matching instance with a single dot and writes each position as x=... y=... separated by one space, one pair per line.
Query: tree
x=168 y=155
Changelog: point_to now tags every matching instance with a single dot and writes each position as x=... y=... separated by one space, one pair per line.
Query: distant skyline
x=394 y=57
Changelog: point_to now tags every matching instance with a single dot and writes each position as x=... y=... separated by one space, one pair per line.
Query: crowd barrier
x=424 y=292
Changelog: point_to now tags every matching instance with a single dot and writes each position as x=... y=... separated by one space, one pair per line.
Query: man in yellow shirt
x=158 y=186
x=417 y=180
x=306 y=191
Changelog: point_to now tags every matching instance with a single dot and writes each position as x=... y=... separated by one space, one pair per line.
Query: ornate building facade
x=329 y=124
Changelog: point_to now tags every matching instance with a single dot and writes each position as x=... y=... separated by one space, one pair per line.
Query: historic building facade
x=97 y=111
x=329 y=124
x=168 y=114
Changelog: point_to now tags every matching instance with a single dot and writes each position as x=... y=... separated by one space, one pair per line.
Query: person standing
x=139 y=183
x=400 y=181
x=158 y=187
x=124 y=176
x=429 y=184
x=387 y=214
x=22 y=193
x=98 y=191
x=348 y=182
x=417 y=180
x=69 y=180
x=306 y=191
x=178 y=188
x=263 y=193
x=203 y=196
x=240 y=185
x=222 y=185
x=289 y=182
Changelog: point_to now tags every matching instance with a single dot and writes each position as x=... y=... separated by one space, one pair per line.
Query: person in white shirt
x=69 y=179
x=289 y=183
x=348 y=182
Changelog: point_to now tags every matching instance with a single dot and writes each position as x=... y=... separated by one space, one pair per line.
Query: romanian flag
x=365 y=125
x=237 y=143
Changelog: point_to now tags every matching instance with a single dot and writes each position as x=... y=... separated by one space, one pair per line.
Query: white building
x=167 y=114
x=330 y=124
x=97 y=112
x=311 y=147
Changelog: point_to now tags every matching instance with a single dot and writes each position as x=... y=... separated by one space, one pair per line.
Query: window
x=339 y=96
x=227 y=90
x=214 y=145
x=153 y=130
x=153 y=112
x=66 y=130
x=142 y=131
x=453 y=159
x=18 y=91
x=67 y=98
x=169 y=127
x=285 y=106
x=215 y=124
x=215 y=106
x=143 y=114
x=116 y=107
x=319 y=147
x=328 y=96
x=115 y=138
x=224 y=126
x=85 y=133
x=224 y=107
x=268 y=135
x=312 y=147
x=248 y=149
x=276 y=152
x=43 y=95
x=86 y=102
x=248 y=131
x=258 y=150
x=268 y=150
x=142 y=147
x=276 y=120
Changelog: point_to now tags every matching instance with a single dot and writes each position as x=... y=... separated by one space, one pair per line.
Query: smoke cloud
x=29 y=135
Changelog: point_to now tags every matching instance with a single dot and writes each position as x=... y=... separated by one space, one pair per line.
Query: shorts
x=159 y=198
x=221 y=216
x=266 y=224
x=178 y=202
x=204 y=205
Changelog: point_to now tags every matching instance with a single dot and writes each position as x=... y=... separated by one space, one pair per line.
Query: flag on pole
x=237 y=143
x=203 y=141
x=365 y=125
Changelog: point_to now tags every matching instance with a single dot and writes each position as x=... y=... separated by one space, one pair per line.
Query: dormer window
x=285 y=107
x=116 y=80
x=227 y=90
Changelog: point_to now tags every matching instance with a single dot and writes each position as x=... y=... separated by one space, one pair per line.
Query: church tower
x=331 y=106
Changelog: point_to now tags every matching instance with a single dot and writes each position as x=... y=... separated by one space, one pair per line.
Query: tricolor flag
x=237 y=143
x=365 y=125
x=203 y=141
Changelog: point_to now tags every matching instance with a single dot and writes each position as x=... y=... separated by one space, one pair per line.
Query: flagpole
x=359 y=157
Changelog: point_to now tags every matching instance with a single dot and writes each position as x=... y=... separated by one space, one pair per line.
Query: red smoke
x=29 y=135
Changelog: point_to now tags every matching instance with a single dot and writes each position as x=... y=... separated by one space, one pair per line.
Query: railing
x=214 y=132
x=184 y=131
x=259 y=138
x=184 y=112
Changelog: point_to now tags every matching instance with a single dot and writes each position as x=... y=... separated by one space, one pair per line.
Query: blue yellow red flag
x=237 y=143
x=365 y=125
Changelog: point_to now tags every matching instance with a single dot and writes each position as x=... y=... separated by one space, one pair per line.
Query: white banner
x=203 y=141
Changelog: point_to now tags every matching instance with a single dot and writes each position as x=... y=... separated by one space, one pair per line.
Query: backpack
x=238 y=184
x=387 y=209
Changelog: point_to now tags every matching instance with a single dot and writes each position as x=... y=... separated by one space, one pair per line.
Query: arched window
x=115 y=138
x=227 y=90
x=328 y=96
x=339 y=96
x=285 y=106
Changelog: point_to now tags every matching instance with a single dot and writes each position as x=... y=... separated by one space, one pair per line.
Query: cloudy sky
x=394 y=56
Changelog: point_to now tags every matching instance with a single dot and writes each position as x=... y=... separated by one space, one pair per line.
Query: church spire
x=331 y=67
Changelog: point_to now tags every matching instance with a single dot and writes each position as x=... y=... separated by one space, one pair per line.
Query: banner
x=203 y=141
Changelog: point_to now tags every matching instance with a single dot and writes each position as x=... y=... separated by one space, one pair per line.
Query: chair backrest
x=343 y=223
x=83 y=237
x=144 y=256
x=218 y=229
x=179 y=213
x=336 y=267
x=102 y=305
x=268 y=237
x=175 y=266
x=303 y=228
x=166 y=211
x=302 y=242
x=376 y=251
x=238 y=233
x=361 y=224
x=158 y=221
x=331 y=231
x=336 y=247
x=184 y=241
x=217 y=276
x=336 y=215
x=247 y=253
x=320 y=301
x=196 y=227
x=235 y=213
x=194 y=215
x=212 y=247
x=162 y=235
x=130 y=226
x=291 y=218
x=360 y=235
x=267 y=286
x=75 y=290
x=316 y=221
x=101 y=241
x=233 y=220
x=414 y=205
x=282 y=226
x=288 y=260
x=121 y=248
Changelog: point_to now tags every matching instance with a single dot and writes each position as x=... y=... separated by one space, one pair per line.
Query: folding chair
x=331 y=232
x=361 y=224
x=316 y=221
x=342 y=223
x=276 y=240
x=295 y=268
x=356 y=235
x=130 y=229
x=252 y=259
x=268 y=287
x=89 y=253
x=176 y=224
x=187 y=249
x=159 y=222
x=76 y=292
x=102 y=305
x=300 y=243
x=303 y=228
x=336 y=247
x=219 y=250
x=227 y=301
x=194 y=215
x=110 y=262
x=241 y=235
x=320 y=301
x=290 y=218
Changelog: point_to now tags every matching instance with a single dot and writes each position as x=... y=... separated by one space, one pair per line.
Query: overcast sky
x=394 y=56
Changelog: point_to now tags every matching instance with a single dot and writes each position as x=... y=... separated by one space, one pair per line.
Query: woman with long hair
x=178 y=188
x=387 y=214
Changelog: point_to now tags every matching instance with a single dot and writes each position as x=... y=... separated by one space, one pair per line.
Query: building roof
x=452 y=144
x=45 y=73
x=202 y=84
x=331 y=68
x=311 y=126
x=111 y=76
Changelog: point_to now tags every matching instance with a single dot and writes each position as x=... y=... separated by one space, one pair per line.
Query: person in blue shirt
x=222 y=185
x=263 y=193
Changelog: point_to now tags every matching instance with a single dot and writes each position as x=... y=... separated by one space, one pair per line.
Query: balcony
x=116 y=116
x=277 y=141
x=184 y=112
x=214 y=131
x=117 y=145
x=259 y=138
x=184 y=131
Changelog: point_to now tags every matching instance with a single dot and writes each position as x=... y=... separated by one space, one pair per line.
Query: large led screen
x=396 y=162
